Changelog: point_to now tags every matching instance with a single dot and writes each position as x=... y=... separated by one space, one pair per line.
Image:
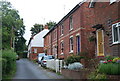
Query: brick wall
x=81 y=27
x=107 y=14
x=33 y=54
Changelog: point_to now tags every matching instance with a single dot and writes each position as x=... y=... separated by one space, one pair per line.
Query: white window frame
x=118 y=30
x=62 y=29
x=35 y=50
x=71 y=23
x=71 y=50
x=112 y=1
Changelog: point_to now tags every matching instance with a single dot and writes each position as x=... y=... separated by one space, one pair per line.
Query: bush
x=109 y=57
x=8 y=62
x=109 y=68
x=94 y=76
x=72 y=59
x=75 y=66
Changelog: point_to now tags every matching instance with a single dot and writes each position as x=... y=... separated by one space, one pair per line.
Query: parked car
x=45 y=59
x=40 y=55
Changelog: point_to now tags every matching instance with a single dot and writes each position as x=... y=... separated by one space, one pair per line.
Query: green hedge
x=8 y=62
x=110 y=68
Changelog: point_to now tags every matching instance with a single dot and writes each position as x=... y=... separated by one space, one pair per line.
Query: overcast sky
x=42 y=11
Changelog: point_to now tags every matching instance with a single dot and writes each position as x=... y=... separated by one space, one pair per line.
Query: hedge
x=8 y=62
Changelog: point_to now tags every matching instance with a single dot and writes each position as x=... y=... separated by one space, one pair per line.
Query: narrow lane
x=28 y=70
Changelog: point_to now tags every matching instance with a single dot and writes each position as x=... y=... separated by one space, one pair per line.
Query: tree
x=36 y=29
x=13 y=28
x=51 y=24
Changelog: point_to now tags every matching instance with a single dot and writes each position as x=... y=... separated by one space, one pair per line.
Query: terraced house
x=91 y=28
x=70 y=36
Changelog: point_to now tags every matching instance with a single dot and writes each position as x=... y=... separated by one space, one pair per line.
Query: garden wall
x=72 y=74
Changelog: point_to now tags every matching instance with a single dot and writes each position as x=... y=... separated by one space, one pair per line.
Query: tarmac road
x=29 y=70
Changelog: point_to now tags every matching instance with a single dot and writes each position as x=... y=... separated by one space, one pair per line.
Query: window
x=61 y=27
x=111 y=1
x=49 y=39
x=35 y=50
x=78 y=44
x=62 y=47
x=55 y=34
x=71 y=44
x=92 y=4
x=71 y=23
x=116 y=33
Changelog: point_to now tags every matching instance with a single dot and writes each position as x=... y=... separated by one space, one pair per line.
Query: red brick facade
x=107 y=14
x=85 y=21
x=75 y=40
x=34 y=52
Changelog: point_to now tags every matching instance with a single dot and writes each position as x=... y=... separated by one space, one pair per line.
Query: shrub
x=94 y=76
x=109 y=57
x=75 y=66
x=72 y=59
x=116 y=59
x=8 y=61
x=109 y=68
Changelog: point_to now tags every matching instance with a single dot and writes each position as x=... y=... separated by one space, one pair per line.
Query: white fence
x=55 y=65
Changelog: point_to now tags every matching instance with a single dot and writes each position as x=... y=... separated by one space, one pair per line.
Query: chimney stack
x=46 y=27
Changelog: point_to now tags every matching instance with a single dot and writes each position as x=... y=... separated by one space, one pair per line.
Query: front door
x=100 y=43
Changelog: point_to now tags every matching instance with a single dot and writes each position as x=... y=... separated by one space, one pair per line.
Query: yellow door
x=100 y=43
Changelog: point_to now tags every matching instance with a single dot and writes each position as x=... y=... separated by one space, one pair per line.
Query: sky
x=41 y=11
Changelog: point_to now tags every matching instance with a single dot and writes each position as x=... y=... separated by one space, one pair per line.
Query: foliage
x=72 y=59
x=75 y=66
x=13 y=28
x=116 y=59
x=50 y=24
x=94 y=76
x=8 y=62
x=36 y=29
x=109 y=57
x=109 y=68
x=92 y=38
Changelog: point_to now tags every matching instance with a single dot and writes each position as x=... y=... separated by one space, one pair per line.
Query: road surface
x=29 y=70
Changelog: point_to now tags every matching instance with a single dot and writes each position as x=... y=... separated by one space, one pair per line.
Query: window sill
x=116 y=43
x=61 y=35
x=71 y=29
x=62 y=54
x=71 y=51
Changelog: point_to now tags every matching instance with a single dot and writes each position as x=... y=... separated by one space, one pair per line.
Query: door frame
x=102 y=40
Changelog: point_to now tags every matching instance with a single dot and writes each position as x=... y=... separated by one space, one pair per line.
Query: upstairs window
x=61 y=28
x=116 y=33
x=92 y=4
x=71 y=44
x=71 y=22
x=55 y=34
x=35 y=50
